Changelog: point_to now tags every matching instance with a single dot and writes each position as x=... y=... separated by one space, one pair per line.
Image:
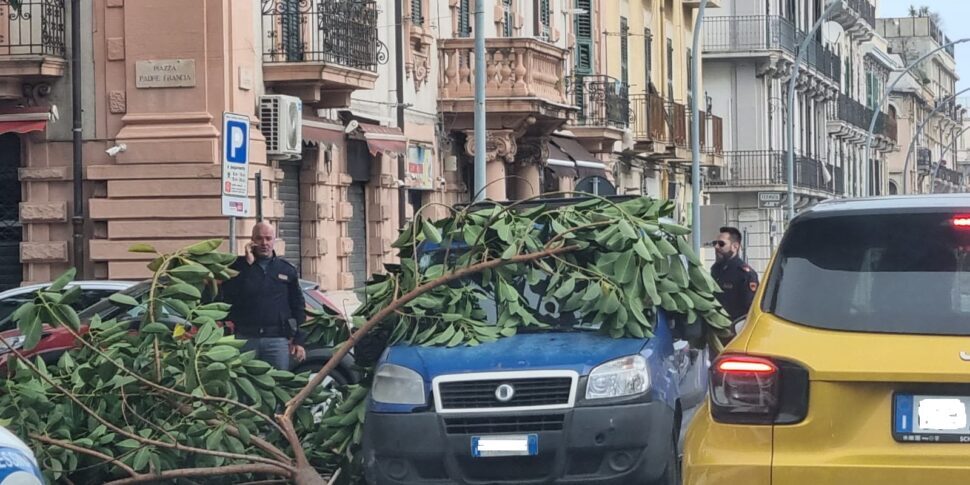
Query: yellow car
x=853 y=365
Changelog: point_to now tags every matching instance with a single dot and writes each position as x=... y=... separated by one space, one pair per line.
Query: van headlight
x=627 y=376
x=13 y=343
x=394 y=384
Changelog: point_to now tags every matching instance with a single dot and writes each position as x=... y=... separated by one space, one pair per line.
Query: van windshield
x=892 y=273
x=546 y=309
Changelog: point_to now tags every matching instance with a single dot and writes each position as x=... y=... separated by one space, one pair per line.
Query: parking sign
x=235 y=165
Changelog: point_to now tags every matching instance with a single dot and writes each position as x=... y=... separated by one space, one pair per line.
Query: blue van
x=565 y=405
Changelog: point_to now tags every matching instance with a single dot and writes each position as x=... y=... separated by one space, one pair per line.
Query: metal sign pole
x=232 y=234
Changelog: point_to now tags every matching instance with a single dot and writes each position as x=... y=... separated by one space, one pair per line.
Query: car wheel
x=335 y=378
x=671 y=474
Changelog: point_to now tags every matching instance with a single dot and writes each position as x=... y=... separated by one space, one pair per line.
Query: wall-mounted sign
x=170 y=73
x=420 y=168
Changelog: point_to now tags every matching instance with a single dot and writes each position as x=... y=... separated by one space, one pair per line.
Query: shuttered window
x=464 y=18
x=584 y=37
x=508 y=20
x=543 y=19
x=624 y=50
x=648 y=62
x=417 y=12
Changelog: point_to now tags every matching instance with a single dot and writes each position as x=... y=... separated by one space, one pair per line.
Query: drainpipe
x=399 y=80
x=78 y=177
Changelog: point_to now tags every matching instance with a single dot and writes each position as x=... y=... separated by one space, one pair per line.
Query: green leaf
x=33 y=331
x=214 y=440
x=61 y=282
x=71 y=296
x=593 y=291
x=123 y=300
x=675 y=229
x=687 y=250
x=611 y=304
x=128 y=444
x=565 y=289
x=155 y=328
x=430 y=232
x=204 y=247
x=191 y=272
x=444 y=336
x=627 y=230
x=183 y=290
x=250 y=390
x=24 y=312
x=208 y=334
x=457 y=338
x=142 y=248
x=221 y=353
x=244 y=435
x=69 y=316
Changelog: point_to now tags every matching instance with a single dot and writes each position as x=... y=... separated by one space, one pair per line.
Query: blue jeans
x=273 y=350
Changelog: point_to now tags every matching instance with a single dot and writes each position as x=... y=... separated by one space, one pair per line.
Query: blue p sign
x=237 y=134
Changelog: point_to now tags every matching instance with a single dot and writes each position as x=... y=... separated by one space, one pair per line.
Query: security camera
x=115 y=150
x=353 y=125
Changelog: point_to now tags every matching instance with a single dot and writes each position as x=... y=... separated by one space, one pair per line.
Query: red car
x=56 y=341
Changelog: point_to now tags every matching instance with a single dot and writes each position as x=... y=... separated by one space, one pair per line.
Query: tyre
x=335 y=378
x=671 y=474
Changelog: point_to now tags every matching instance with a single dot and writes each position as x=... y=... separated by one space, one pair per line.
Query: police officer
x=268 y=307
x=738 y=281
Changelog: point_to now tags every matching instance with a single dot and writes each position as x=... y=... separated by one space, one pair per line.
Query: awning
x=560 y=163
x=384 y=139
x=26 y=119
x=586 y=164
x=319 y=131
x=22 y=126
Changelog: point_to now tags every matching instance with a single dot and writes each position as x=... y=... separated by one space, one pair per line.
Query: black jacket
x=739 y=283
x=264 y=302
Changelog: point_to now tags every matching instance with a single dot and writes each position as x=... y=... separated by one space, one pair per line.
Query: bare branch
x=83 y=450
x=202 y=472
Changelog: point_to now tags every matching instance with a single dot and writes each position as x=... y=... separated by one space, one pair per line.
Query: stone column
x=500 y=149
x=530 y=158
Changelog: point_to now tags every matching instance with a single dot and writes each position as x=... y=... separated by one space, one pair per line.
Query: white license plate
x=931 y=419
x=505 y=445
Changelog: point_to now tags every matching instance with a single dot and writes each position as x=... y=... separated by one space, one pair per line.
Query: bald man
x=267 y=302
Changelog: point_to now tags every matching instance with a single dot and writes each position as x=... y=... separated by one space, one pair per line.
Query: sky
x=955 y=15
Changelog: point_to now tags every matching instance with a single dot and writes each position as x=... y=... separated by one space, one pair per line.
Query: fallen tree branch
x=344 y=349
x=80 y=449
x=199 y=472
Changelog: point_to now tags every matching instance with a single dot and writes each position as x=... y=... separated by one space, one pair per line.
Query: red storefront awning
x=318 y=131
x=22 y=126
x=384 y=139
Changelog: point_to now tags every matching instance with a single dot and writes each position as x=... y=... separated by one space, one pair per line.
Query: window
x=624 y=51
x=417 y=12
x=690 y=77
x=584 y=36
x=670 y=69
x=648 y=63
x=464 y=18
x=903 y=273
x=543 y=19
x=508 y=19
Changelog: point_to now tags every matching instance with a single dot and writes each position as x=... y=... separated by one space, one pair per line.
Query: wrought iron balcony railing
x=758 y=168
x=37 y=29
x=341 y=32
x=603 y=101
x=648 y=117
x=755 y=33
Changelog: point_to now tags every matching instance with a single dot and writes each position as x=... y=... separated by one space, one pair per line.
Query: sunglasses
x=719 y=243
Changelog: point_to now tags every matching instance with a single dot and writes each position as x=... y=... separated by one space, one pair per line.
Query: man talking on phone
x=267 y=302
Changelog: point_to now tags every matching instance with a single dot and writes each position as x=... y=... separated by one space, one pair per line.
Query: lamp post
x=919 y=131
x=480 y=100
x=790 y=129
x=695 y=138
x=885 y=97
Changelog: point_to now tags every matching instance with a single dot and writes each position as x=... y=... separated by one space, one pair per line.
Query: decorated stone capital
x=499 y=145
x=533 y=150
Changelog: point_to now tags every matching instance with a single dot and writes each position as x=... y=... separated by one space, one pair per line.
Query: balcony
x=767 y=36
x=712 y=134
x=321 y=52
x=604 y=111
x=32 y=44
x=851 y=119
x=763 y=169
x=858 y=19
x=648 y=119
x=525 y=84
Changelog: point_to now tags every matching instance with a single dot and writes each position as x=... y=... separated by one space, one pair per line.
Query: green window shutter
x=624 y=50
x=544 y=17
x=464 y=18
x=417 y=14
x=584 y=37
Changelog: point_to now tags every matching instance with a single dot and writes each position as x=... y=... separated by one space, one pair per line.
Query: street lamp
x=695 y=138
x=885 y=97
x=790 y=129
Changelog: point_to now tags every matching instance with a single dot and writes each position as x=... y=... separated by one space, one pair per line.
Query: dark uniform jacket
x=739 y=283
x=266 y=303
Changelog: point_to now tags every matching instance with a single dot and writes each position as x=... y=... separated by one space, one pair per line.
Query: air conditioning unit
x=281 y=120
